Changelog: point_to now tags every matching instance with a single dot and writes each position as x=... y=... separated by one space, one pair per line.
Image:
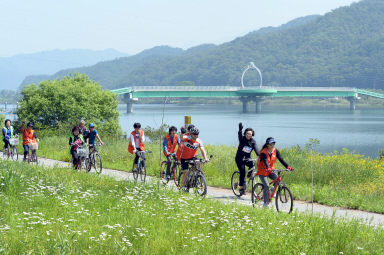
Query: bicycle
x=11 y=150
x=175 y=170
x=83 y=159
x=248 y=183
x=284 y=197
x=94 y=159
x=32 y=155
x=196 y=178
x=141 y=168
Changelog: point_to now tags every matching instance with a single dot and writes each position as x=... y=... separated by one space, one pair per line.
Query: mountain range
x=344 y=47
x=14 y=69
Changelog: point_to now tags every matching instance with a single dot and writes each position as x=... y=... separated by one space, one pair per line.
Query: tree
x=64 y=102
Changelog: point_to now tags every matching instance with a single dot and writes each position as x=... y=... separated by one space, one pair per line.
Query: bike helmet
x=190 y=127
x=30 y=124
x=137 y=125
x=270 y=140
x=194 y=131
x=173 y=128
x=91 y=125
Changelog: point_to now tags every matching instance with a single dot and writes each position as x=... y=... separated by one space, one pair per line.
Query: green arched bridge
x=246 y=95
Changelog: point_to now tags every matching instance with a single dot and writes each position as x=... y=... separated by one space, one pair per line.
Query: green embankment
x=58 y=211
x=344 y=179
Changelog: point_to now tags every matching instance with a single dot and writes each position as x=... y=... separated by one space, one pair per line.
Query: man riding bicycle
x=8 y=133
x=189 y=151
x=246 y=145
x=169 y=147
x=29 y=136
x=136 y=143
x=266 y=164
x=91 y=136
x=83 y=129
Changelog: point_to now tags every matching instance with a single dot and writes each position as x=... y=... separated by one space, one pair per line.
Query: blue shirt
x=8 y=131
x=165 y=143
x=92 y=136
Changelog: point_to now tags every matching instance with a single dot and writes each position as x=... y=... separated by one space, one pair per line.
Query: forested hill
x=342 y=48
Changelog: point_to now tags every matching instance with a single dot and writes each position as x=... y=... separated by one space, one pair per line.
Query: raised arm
x=240 y=133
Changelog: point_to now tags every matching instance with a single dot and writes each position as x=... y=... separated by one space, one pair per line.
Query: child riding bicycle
x=29 y=137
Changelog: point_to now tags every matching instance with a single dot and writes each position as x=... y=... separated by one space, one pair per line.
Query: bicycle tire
x=97 y=163
x=163 y=170
x=143 y=172
x=200 y=185
x=180 y=180
x=257 y=193
x=14 y=153
x=284 y=200
x=88 y=165
x=235 y=183
x=5 y=153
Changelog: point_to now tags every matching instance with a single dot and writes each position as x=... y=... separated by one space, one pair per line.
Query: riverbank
x=344 y=179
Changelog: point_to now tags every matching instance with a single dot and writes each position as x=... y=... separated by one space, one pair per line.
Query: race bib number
x=247 y=149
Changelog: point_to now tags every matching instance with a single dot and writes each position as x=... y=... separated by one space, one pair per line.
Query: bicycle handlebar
x=250 y=159
x=281 y=170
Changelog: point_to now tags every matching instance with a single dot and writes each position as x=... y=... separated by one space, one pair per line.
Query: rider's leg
x=185 y=171
x=136 y=159
x=250 y=165
x=169 y=162
x=6 y=143
x=241 y=167
x=264 y=181
x=26 y=149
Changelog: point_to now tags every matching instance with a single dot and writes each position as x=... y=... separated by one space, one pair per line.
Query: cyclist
x=8 y=133
x=75 y=141
x=82 y=128
x=185 y=132
x=29 y=136
x=169 y=146
x=266 y=163
x=246 y=145
x=136 y=142
x=92 y=135
x=189 y=151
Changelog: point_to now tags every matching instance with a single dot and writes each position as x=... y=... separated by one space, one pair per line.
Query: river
x=360 y=131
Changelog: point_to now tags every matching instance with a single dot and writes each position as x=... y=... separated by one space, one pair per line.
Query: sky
x=131 y=26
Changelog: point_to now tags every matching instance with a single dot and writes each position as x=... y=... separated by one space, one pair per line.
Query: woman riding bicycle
x=75 y=141
x=29 y=136
x=169 y=147
x=136 y=143
x=266 y=164
x=246 y=145
x=8 y=133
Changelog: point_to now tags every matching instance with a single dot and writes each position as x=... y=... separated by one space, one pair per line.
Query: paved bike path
x=227 y=196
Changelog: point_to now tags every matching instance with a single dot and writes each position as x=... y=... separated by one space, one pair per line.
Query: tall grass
x=341 y=179
x=57 y=211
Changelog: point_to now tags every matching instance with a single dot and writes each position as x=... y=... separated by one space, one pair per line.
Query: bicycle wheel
x=5 y=153
x=143 y=172
x=87 y=164
x=35 y=160
x=163 y=170
x=235 y=183
x=97 y=163
x=135 y=172
x=14 y=153
x=284 y=200
x=200 y=185
x=257 y=193
x=180 y=181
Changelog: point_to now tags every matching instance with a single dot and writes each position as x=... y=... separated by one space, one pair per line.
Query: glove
x=269 y=170
x=7 y=137
x=183 y=130
x=290 y=168
x=240 y=126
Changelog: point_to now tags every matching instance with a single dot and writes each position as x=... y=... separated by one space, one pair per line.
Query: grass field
x=58 y=211
x=342 y=179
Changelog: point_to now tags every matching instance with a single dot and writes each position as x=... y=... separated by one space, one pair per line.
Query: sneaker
x=168 y=177
x=249 y=175
x=242 y=192
x=265 y=205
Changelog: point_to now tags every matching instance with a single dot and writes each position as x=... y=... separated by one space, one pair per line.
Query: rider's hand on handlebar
x=269 y=170
x=290 y=168
x=102 y=143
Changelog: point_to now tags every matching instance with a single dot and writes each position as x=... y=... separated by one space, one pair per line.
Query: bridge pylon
x=258 y=101
x=352 y=103
x=129 y=101
x=245 y=101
